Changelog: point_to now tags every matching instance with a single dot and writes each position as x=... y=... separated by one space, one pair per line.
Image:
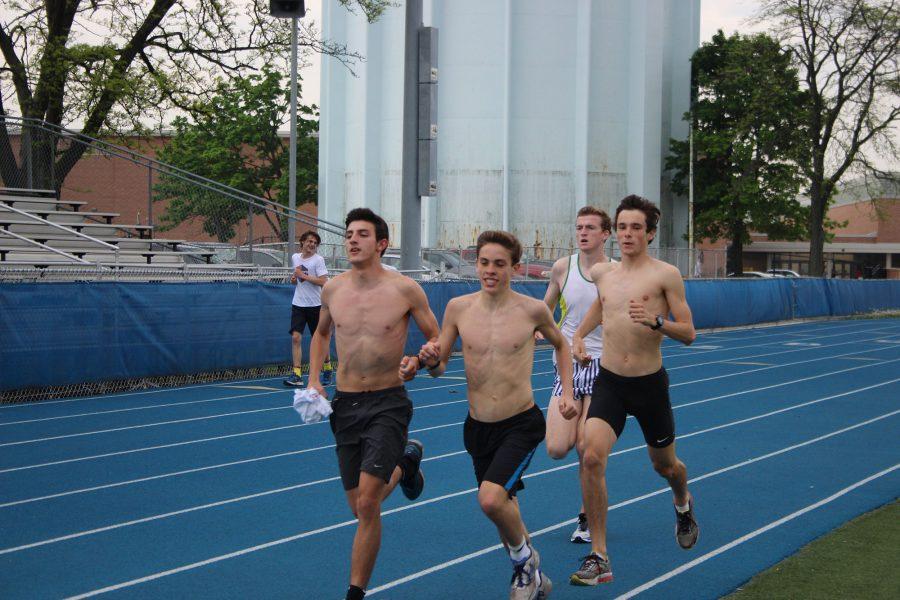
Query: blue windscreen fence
x=56 y=334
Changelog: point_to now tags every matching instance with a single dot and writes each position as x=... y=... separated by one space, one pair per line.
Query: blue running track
x=219 y=491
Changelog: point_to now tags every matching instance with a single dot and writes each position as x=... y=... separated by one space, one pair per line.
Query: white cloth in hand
x=312 y=406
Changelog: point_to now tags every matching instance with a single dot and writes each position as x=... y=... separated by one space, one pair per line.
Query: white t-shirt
x=307 y=293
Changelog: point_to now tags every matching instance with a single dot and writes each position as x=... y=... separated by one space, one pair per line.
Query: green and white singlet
x=577 y=295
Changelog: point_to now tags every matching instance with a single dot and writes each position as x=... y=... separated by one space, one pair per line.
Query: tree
x=113 y=64
x=233 y=139
x=746 y=113
x=847 y=52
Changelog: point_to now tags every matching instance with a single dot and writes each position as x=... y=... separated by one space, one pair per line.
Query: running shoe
x=413 y=484
x=528 y=581
x=581 y=535
x=594 y=569
x=294 y=380
x=686 y=529
x=325 y=376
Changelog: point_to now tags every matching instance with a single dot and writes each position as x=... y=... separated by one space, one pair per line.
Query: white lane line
x=411 y=390
x=191 y=509
x=825 y=325
x=732 y=358
x=634 y=500
x=745 y=538
x=305 y=534
x=752 y=364
x=189 y=402
x=238 y=413
x=778 y=366
x=107 y=455
x=562 y=467
x=231 y=386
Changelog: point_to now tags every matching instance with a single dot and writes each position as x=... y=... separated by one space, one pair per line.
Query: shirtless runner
x=369 y=307
x=504 y=427
x=635 y=299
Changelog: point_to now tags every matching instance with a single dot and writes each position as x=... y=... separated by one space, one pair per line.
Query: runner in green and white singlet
x=571 y=287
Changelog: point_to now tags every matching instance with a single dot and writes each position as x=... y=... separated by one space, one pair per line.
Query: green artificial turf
x=861 y=559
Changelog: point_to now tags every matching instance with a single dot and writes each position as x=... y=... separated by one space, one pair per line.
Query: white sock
x=520 y=552
x=684 y=508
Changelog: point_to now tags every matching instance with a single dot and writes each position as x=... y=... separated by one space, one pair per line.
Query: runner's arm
x=434 y=355
x=682 y=327
x=553 y=335
x=318 y=346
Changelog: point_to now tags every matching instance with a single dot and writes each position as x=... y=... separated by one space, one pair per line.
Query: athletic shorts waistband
x=634 y=379
x=508 y=420
x=400 y=389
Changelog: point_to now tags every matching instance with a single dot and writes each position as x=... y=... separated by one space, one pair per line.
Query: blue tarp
x=66 y=333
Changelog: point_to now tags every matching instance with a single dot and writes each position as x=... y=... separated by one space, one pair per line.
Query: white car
x=752 y=275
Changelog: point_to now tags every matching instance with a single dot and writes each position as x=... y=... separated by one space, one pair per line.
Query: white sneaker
x=528 y=581
x=581 y=535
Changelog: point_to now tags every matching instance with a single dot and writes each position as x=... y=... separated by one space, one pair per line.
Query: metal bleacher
x=39 y=230
x=45 y=236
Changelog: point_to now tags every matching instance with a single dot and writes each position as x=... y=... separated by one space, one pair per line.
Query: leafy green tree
x=114 y=65
x=233 y=139
x=848 y=53
x=747 y=112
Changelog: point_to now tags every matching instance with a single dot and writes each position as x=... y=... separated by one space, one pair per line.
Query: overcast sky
x=728 y=15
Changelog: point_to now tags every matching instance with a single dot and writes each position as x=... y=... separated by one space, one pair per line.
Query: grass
x=857 y=560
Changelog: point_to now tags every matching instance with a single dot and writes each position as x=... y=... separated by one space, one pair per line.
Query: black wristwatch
x=659 y=323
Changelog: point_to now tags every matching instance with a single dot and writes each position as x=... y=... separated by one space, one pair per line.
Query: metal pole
x=149 y=194
x=292 y=158
x=411 y=202
x=691 y=197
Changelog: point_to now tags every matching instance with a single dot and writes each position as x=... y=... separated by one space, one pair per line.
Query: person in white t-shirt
x=571 y=287
x=310 y=274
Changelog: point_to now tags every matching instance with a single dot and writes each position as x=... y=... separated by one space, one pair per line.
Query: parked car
x=752 y=275
x=535 y=269
x=783 y=273
x=448 y=262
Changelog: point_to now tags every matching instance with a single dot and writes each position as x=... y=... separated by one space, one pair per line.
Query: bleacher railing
x=37 y=154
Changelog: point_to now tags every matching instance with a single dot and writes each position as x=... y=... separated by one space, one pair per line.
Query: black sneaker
x=686 y=529
x=581 y=535
x=294 y=380
x=413 y=484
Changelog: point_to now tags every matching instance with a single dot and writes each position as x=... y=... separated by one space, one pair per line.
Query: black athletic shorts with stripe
x=502 y=450
x=646 y=397
x=370 y=431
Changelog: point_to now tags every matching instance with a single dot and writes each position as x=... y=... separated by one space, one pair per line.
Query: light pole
x=293 y=10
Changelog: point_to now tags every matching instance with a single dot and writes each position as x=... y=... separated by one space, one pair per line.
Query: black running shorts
x=301 y=316
x=646 y=397
x=502 y=450
x=370 y=431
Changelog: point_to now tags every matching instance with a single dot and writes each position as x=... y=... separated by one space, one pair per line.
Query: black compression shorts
x=646 y=397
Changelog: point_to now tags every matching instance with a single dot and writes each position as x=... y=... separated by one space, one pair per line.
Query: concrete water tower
x=543 y=106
